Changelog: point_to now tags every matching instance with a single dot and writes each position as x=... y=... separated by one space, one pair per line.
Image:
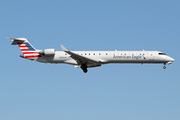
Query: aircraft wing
x=82 y=59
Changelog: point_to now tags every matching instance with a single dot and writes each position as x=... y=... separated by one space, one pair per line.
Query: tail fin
x=27 y=49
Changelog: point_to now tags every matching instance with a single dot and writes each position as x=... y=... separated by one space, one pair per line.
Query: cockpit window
x=162 y=54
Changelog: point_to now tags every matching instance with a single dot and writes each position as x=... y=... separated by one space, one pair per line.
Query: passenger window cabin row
x=110 y=54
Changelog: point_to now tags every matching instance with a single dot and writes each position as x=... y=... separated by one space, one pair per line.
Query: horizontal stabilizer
x=17 y=40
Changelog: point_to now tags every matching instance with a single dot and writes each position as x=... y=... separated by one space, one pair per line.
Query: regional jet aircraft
x=87 y=59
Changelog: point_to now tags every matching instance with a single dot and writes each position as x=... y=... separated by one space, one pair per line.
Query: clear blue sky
x=36 y=91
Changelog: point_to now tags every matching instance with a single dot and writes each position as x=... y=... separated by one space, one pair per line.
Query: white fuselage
x=105 y=57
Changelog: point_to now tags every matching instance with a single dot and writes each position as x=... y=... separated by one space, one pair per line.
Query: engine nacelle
x=47 y=52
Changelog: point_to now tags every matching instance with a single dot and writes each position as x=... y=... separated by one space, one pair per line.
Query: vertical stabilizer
x=27 y=49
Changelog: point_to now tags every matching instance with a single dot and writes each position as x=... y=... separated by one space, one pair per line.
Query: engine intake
x=47 y=52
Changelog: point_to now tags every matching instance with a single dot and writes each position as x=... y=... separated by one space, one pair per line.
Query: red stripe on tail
x=33 y=56
x=23 y=46
x=30 y=52
x=24 y=49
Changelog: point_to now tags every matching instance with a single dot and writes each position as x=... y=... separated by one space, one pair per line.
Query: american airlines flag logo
x=28 y=50
x=143 y=56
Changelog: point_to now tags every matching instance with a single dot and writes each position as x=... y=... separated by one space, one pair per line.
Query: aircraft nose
x=172 y=59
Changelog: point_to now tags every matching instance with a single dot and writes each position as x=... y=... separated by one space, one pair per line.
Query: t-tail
x=27 y=49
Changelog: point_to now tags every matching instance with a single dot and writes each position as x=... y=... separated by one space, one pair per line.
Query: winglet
x=64 y=49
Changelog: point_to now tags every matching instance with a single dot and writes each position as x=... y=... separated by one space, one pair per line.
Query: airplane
x=88 y=59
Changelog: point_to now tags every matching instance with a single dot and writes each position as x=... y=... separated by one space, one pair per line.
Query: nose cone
x=172 y=60
x=169 y=59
